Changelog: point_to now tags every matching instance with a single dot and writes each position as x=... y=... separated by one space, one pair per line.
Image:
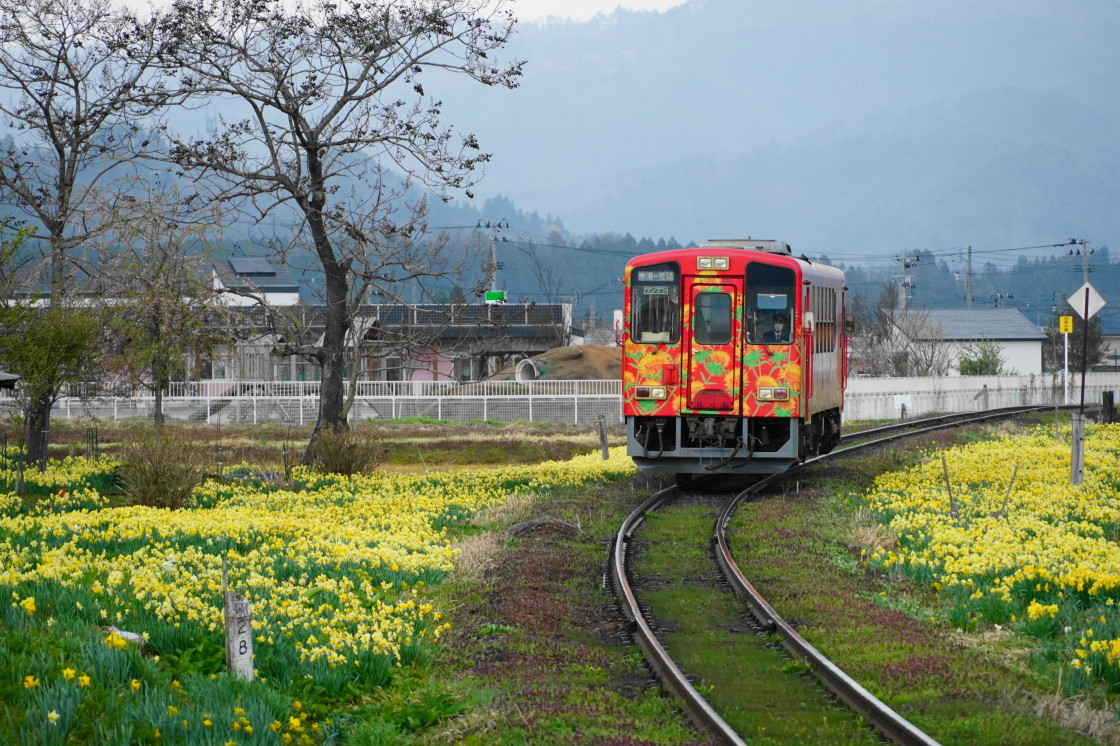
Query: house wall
x=1112 y=354
x=434 y=366
x=1024 y=358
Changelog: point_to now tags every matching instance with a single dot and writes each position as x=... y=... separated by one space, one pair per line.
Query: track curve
x=890 y=724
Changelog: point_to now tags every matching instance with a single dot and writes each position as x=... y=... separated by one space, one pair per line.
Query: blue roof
x=257 y=273
x=1004 y=324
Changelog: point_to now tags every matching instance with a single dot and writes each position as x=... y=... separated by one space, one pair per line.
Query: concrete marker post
x=239 y=629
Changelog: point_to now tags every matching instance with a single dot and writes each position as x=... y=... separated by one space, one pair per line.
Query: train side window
x=711 y=318
x=771 y=292
x=655 y=304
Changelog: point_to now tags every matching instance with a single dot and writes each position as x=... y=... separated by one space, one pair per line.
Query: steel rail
x=945 y=420
x=699 y=710
x=889 y=723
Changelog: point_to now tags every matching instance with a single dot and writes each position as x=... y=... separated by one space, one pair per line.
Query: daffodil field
x=113 y=626
x=1016 y=544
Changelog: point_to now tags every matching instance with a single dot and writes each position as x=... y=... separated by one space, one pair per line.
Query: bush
x=161 y=472
x=352 y=451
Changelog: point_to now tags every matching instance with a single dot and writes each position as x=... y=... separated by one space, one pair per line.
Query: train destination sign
x=1086 y=297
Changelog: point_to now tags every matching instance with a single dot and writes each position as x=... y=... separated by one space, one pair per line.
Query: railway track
x=889 y=724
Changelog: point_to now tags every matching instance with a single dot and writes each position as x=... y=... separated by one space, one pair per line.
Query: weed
x=159 y=471
x=354 y=451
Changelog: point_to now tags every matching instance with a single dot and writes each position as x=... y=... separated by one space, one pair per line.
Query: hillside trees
x=328 y=96
x=76 y=77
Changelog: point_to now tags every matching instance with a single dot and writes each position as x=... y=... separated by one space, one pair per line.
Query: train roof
x=778 y=249
x=749 y=244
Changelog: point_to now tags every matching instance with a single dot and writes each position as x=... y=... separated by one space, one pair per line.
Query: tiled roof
x=1006 y=324
x=256 y=273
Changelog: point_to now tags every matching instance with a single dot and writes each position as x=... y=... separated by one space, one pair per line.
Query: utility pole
x=1083 y=251
x=905 y=284
x=494 y=265
x=1084 y=261
x=968 y=281
x=494 y=261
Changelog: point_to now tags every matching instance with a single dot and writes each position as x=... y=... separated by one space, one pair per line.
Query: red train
x=734 y=358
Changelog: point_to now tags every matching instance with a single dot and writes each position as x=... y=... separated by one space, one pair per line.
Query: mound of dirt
x=578 y=363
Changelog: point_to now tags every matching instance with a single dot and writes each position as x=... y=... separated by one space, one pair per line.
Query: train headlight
x=773 y=394
x=651 y=392
x=712 y=262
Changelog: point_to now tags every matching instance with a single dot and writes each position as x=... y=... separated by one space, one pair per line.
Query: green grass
x=877 y=626
x=759 y=692
x=538 y=645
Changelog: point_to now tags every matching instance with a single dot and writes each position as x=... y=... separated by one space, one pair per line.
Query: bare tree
x=332 y=101
x=894 y=342
x=75 y=79
x=156 y=259
x=920 y=346
x=552 y=280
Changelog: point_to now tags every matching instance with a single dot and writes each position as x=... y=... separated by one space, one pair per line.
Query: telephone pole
x=1083 y=251
x=968 y=280
x=905 y=284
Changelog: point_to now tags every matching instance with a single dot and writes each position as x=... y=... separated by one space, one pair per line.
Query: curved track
x=890 y=724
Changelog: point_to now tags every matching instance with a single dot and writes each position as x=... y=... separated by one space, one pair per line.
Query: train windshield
x=655 y=304
x=770 y=299
x=711 y=318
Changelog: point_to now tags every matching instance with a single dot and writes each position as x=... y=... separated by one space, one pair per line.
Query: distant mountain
x=869 y=124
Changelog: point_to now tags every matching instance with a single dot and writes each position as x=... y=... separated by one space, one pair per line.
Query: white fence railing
x=366 y=389
x=574 y=402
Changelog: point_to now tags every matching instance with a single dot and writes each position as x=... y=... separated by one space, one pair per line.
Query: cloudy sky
x=582 y=10
x=526 y=10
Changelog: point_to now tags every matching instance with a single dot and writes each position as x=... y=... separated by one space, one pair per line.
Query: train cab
x=733 y=358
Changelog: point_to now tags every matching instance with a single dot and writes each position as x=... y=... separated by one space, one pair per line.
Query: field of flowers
x=112 y=630
x=1017 y=545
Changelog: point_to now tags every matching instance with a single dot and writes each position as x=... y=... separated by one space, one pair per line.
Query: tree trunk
x=37 y=430
x=332 y=388
x=160 y=379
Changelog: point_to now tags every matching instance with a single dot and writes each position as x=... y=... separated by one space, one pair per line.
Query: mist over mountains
x=855 y=130
x=864 y=127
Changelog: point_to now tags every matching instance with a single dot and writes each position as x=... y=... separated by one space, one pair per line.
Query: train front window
x=711 y=318
x=770 y=303
x=655 y=304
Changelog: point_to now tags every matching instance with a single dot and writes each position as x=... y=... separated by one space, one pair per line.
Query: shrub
x=354 y=451
x=159 y=471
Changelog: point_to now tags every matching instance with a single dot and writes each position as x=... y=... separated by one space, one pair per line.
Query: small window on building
x=394 y=369
x=462 y=369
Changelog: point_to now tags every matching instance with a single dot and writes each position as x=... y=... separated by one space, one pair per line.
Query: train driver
x=779 y=334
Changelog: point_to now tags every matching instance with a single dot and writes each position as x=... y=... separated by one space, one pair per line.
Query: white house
x=277 y=285
x=1019 y=340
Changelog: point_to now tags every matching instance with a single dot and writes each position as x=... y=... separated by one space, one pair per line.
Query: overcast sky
x=582 y=10
x=528 y=10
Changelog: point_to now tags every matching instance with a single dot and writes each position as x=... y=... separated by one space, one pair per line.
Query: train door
x=713 y=322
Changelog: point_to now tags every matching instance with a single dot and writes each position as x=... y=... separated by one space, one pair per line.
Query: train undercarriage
x=704 y=443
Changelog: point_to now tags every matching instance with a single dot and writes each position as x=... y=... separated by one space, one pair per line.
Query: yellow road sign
x=1065 y=324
